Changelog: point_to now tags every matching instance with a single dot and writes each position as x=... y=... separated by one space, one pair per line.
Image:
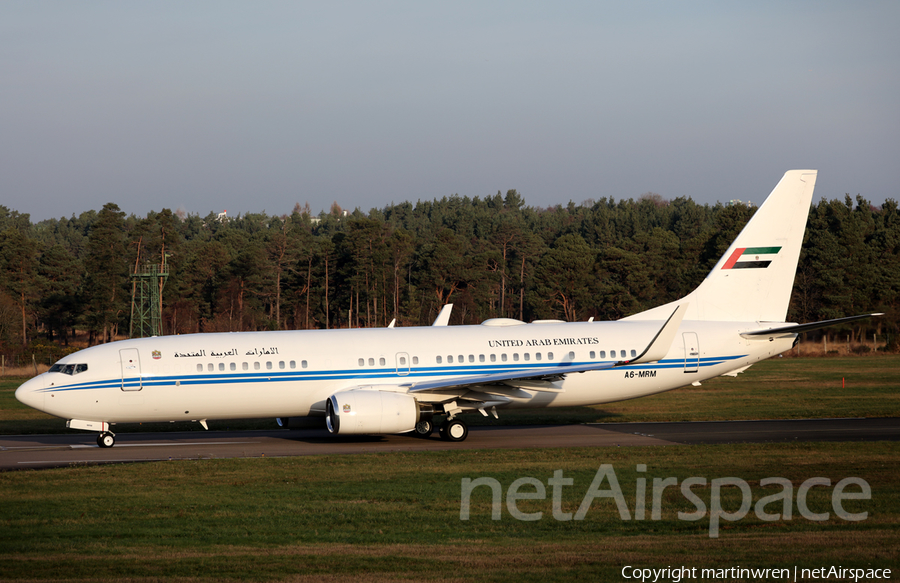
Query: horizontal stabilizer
x=797 y=328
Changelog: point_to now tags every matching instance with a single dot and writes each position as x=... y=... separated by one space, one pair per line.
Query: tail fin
x=753 y=280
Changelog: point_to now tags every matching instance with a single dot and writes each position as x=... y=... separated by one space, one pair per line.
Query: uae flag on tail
x=751 y=257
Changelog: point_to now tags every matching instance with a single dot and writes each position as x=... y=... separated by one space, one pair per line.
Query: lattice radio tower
x=147 y=284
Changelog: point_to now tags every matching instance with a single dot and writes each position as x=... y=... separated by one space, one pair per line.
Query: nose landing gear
x=106 y=439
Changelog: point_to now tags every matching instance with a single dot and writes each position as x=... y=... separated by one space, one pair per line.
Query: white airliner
x=397 y=380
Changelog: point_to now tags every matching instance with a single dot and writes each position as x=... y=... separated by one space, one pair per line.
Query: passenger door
x=131 y=369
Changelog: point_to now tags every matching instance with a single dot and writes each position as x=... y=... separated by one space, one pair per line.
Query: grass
x=781 y=388
x=386 y=517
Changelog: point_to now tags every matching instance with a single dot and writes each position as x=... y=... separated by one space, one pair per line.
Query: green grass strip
x=396 y=516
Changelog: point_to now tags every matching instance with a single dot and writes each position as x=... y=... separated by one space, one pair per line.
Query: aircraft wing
x=656 y=350
x=547 y=374
x=797 y=328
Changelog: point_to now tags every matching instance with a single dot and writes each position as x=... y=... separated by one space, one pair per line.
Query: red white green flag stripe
x=751 y=257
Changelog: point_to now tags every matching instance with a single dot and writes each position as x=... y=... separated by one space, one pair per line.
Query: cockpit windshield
x=69 y=369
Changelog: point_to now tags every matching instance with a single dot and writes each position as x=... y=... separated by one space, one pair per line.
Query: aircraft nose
x=29 y=393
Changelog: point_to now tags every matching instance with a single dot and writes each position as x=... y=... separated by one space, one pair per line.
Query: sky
x=256 y=106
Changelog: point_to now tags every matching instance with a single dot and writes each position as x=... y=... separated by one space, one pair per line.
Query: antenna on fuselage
x=443 y=319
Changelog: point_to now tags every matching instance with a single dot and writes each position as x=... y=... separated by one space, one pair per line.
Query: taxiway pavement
x=45 y=451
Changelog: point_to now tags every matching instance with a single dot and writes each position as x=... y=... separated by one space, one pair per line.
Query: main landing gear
x=450 y=430
x=424 y=428
x=106 y=439
x=454 y=430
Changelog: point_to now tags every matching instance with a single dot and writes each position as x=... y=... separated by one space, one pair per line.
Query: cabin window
x=233 y=366
x=527 y=356
x=293 y=364
x=622 y=353
x=222 y=366
x=461 y=358
x=210 y=367
x=371 y=362
x=515 y=357
x=471 y=358
x=281 y=364
x=256 y=365
x=633 y=353
x=572 y=355
x=402 y=360
x=549 y=356
x=362 y=362
x=439 y=359
x=612 y=353
x=199 y=368
x=381 y=361
x=480 y=358
x=537 y=356
x=303 y=363
x=602 y=354
x=503 y=357
x=244 y=366
x=415 y=360
x=593 y=354
x=450 y=359
x=268 y=365
x=493 y=358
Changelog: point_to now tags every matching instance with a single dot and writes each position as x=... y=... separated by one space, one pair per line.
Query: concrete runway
x=46 y=451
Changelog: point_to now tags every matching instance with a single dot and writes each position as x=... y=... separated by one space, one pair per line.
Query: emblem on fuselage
x=156 y=354
x=346 y=408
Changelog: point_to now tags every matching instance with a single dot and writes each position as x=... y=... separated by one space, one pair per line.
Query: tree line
x=491 y=257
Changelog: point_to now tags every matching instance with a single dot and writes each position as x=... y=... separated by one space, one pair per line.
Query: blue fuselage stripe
x=391 y=374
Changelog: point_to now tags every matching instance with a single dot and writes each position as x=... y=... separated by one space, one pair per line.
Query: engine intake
x=371 y=411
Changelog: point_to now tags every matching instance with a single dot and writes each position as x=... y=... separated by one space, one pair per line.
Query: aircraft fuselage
x=292 y=373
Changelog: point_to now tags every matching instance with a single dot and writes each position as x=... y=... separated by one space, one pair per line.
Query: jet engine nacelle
x=371 y=411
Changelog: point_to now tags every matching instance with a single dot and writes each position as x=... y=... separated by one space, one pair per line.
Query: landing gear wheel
x=424 y=428
x=106 y=439
x=454 y=430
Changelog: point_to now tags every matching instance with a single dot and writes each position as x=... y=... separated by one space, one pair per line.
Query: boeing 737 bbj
x=397 y=380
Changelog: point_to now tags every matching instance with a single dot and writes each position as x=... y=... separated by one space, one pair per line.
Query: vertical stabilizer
x=754 y=279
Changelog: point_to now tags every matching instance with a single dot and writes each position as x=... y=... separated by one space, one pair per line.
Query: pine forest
x=67 y=283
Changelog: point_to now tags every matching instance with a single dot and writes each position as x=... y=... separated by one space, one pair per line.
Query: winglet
x=659 y=346
x=443 y=319
x=656 y=350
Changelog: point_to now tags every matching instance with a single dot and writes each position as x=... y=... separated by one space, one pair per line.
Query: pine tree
x=106 y=273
